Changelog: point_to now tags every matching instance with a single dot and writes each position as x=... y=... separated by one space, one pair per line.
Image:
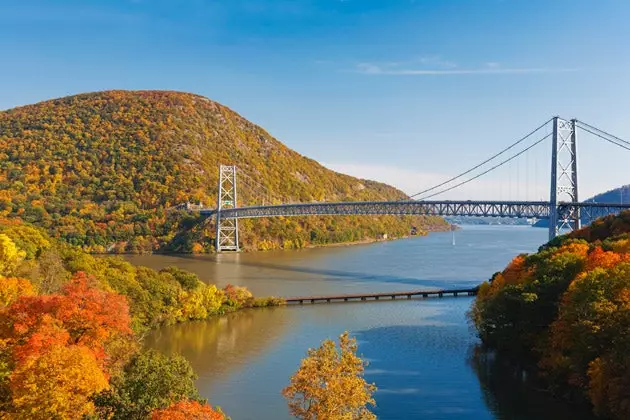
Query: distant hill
x=616 y=195
x=106 y=171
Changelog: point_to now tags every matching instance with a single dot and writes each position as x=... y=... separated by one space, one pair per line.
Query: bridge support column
x=564 y=179
x=227 y=228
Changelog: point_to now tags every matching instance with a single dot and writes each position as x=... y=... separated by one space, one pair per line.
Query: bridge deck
x=512 y=209
x=378 y=296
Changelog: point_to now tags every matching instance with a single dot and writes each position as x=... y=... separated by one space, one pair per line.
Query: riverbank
x=117 y=249
x=566 y=311
x=419 y=350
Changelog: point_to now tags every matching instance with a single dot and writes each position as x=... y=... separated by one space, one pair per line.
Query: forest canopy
x=109 y=172
x=566 y=310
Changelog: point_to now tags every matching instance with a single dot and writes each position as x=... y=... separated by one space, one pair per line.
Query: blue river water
x=420 y=352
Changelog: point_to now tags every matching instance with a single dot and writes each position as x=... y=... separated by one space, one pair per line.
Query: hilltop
x=107 y=170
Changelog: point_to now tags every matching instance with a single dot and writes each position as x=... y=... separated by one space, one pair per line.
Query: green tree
x=329 y=384
x=150 y=381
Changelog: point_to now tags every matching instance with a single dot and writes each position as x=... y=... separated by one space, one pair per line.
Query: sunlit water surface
x=419 y=351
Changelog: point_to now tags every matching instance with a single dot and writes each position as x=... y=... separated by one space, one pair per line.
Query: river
x=419 y=351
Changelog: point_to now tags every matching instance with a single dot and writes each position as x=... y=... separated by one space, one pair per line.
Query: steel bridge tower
x=564 y=178
x=227 y=228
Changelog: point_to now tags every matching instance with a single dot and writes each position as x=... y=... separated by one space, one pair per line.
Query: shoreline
x=310 y=246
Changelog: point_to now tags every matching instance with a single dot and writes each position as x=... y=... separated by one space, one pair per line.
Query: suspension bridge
x=563 y=210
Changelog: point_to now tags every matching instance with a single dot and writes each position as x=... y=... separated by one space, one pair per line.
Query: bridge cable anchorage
x=485 y=161
x=605 y=136
x=488 y=170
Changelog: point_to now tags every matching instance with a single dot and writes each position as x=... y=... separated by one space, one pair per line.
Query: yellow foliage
x=10 y=255
x=621 y=246
x=329 y=384
x=57 y=384
x=12 y=288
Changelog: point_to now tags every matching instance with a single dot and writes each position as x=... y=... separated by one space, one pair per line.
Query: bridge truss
x=563 y=210
x=507 y=209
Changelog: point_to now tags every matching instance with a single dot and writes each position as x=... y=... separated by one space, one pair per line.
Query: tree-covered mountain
x=107 y=170
x=616 y=195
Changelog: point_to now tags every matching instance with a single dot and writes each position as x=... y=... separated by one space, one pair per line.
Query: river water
x=420 y=352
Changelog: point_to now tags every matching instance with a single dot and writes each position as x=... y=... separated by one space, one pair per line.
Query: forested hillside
x=71 y=328
x=567 y=310
x=105 y=170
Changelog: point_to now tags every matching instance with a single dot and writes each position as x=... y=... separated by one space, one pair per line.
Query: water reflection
x=217 y=346
x=419 y=350
x=511 y=394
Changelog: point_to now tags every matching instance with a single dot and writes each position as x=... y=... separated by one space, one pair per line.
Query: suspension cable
x=602 y=131
x=607 y=139
x=488 y=170
x=482 y=163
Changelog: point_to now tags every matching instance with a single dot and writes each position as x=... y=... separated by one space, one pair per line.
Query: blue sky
x=403 y=91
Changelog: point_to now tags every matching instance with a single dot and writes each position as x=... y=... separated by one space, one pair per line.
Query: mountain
x=109 y=171
x=616 y=195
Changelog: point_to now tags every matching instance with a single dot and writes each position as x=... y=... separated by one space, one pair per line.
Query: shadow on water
x=511 y=394
x=334 y=275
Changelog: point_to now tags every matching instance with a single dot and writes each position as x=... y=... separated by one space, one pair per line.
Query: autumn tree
x=10 y=255
x=150 y=381
x=329 y=384
x=566 y=309
x=53 y=379
x=188 y=410
x=92 y=318
x=12 y=288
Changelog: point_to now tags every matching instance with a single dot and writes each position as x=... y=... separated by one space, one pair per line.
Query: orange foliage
x=90 y=316
x=600 y=258
x=12 y=288
x=188 y=410
x=515 y=272
x=62 y=348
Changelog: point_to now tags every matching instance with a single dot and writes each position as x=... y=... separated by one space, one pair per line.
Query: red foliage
x=48 y=334
x=188 y=410
x=87 y=315
x=600 y=258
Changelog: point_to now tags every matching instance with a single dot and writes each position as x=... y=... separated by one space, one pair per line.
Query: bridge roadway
x=377 y=296
x=509 y=209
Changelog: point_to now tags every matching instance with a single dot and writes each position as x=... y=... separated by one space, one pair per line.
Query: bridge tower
x=564 y=178
x=227 y=228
